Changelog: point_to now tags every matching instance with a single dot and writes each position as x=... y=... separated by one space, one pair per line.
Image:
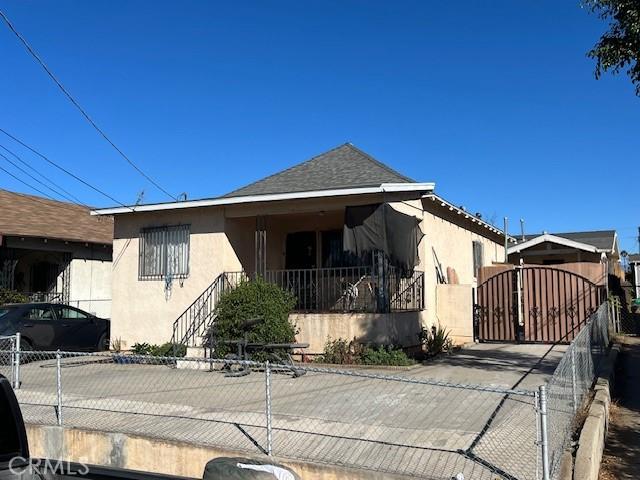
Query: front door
x=300 y=251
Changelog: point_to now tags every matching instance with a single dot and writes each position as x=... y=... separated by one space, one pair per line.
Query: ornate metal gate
x=534 y=304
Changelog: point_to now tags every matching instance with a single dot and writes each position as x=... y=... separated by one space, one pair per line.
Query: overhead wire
x=35 y=179
x=25 y=183
x=41 y=62
x=44 y=177
x=59 y=167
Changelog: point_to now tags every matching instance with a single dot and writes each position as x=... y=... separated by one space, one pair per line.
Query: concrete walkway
x=621 y=458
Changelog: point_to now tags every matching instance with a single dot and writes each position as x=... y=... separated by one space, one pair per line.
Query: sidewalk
x=621 y=458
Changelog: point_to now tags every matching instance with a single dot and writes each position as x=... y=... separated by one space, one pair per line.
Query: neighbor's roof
x=344 y=170
x=634 y=258
x=596 y=241
x=342 y=167
x=30 y=216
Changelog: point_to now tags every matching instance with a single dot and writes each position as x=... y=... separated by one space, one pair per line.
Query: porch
x=304 y=253
x=41 y=275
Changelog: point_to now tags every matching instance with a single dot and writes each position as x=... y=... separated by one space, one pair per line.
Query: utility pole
x=506 y=240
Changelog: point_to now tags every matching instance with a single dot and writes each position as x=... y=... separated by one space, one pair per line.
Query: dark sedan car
x=52 y=326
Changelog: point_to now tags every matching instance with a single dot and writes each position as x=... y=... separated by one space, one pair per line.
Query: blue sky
x=494 y=101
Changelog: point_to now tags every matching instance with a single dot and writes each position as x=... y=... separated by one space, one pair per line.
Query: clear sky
x=494 y=101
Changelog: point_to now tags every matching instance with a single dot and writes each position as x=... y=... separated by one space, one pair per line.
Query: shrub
x=436 y=340
x=257 y=300
x=11 y=296
x=165 y=350
x=343 y=352
x=340 y=351
x=385 y=356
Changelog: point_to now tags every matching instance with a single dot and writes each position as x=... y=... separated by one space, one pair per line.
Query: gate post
x=544 y=434
x=516 y=285
x=16 y=363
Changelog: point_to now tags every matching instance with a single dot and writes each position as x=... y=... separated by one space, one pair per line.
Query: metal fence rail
x=401 y=424
x=568 y=389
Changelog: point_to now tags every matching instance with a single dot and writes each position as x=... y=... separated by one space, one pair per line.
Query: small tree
x=249 y=301
x=619 y=47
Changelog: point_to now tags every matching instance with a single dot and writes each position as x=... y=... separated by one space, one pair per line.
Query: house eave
x=466 y=215
x=556 y=240
x=212 y=202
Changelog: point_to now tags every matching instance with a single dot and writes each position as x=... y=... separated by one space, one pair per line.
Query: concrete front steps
x=194 y=354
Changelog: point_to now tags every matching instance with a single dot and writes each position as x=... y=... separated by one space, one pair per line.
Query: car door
x=39 y=326
x=80 y=329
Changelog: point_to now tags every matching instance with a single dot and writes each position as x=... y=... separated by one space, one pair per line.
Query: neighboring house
x=634 y=262
x=175 y=259
x=55 y=251
x=591 y=254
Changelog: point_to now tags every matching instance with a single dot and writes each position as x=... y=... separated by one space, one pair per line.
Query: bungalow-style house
x=55 y=252
x=594 y=255
x=368 y=252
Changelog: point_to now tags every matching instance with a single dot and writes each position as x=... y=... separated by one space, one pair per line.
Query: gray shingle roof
x=342 y=167
x=634 y=258
x=602 y=239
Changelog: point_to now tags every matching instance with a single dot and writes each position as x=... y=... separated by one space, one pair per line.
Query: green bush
x=436 y=340
x=11 y=296
x=257 y=300
x=343 y=352
x=385 y=356
x=165 y=350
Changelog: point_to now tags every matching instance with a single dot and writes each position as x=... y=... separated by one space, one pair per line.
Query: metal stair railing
x=193 y=323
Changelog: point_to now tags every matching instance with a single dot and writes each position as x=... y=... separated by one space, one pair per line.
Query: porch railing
x=351 y=289
x=48 y=297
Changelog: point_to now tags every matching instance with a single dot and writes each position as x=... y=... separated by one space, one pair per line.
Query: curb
x=594 y=432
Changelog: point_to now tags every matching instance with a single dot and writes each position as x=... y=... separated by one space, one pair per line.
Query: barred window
x=478 y=257
x=164 y=252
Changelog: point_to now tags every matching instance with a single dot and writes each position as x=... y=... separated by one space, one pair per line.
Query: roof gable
x=342 y=167
x=600 y=239
x=30 y=216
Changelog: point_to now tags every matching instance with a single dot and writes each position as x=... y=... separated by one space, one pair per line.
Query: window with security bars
x=478 y=257
x=164 y=252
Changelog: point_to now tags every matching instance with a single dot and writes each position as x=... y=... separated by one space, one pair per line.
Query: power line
x=84 y=182
x=58 y=190
x=25 y=183
x=30 y=176
x=33 y=53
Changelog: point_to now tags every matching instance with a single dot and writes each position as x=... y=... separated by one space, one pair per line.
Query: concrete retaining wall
x=159 y=456
x=594 y=431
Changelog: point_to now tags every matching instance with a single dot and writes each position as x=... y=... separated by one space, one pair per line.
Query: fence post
x=59 y=386
x=544 y=435
x=16 y=363
x=267 y=377
x=574 y=387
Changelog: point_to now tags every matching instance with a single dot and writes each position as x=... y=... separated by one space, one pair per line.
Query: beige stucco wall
x=452 y=240
x=454 y=309
x=144 y=310
x=400 y=328
x=222 y=239
x=91 y=285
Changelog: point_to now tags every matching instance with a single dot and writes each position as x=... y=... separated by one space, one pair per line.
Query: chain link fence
x=569 y=387
x=9 y=345
x=401 y=424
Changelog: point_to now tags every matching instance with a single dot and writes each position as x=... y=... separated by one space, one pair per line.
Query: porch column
x=261 y=246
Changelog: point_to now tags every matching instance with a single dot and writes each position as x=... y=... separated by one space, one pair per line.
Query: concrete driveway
x=393 y=421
